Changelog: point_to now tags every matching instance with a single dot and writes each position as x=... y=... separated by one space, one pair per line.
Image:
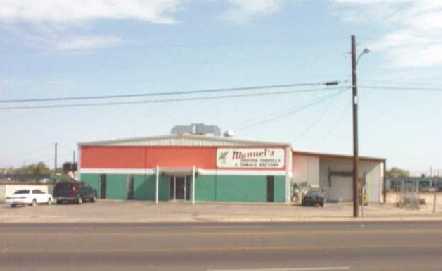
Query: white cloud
x=86 y=42
x=73 y=11
x=60 y=24
x=244 y=10
x=413 y=29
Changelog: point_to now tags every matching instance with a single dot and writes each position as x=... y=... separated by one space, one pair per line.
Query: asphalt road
x=274 y=247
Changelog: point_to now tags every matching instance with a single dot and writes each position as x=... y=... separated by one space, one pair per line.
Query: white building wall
x=340 y=188
x=305 y=169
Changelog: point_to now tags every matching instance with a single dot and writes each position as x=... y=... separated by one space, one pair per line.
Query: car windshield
x=21 y=192
x=314 y=194
x=63 y=187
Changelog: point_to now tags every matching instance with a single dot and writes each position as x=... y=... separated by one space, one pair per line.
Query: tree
x=38 y=170
x=396 y=172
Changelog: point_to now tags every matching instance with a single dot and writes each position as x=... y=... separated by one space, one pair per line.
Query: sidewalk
x=107 y=211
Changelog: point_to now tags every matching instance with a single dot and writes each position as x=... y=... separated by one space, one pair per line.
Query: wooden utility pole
x=355 y=129
x=55 y=157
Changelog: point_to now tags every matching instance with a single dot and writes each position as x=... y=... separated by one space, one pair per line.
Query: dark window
x=270 y=188
x=22 y=192
x=37 y=192
x=130 y=187
x=103 y=186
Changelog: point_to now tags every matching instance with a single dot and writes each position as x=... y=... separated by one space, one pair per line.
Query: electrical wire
x=167 y=100
x=401 y=88
x=170 y=93
x=316 y=122
x=294 y=110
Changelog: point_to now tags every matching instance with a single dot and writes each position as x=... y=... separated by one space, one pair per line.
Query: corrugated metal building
x=212 y=168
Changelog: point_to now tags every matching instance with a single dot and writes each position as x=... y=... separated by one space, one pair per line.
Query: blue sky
x=73 y=48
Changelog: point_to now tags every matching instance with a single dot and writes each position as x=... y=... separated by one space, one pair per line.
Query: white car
x=29 y=197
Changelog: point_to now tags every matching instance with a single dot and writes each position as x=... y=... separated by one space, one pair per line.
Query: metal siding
x=225 y=188
x=144 y=187
x=371 y=168
x=164 y=187
x=205 y=188
x=241 y=188
x=126 y=157
x=116 y=186
x=280 y=189
x=189 y=140
x=91 y=179
x=306 y=169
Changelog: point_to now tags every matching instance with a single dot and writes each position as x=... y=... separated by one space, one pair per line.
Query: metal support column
x=157 y=177
x=185 y=188
x=174 y=188
x=193 y=185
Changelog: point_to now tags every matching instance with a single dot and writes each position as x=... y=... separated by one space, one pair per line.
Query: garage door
x=341 y=189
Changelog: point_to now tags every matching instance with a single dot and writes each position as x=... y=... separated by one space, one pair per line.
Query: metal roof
x=342 y=156
x=182 y=140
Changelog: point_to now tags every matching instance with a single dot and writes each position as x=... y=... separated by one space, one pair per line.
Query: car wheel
x=34 y=203
x=79 y=200
x=13 y=205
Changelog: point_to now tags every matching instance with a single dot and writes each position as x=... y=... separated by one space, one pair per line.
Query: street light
x=364 y=52
x=362 y=190
x=355 y=101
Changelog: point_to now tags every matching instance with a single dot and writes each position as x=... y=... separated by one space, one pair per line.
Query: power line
x=323 y=113
x=168 y=100
x=295 y=110
x=402 y=88
x=169 y=93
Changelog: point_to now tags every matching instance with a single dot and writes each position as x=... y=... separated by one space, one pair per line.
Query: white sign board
x=250 y=158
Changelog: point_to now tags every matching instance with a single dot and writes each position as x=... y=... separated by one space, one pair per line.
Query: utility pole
x=355 y=129
x=55 y=157
x=73 y=157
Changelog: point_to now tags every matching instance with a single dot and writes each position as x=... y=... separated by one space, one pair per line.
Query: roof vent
x=229 y=133
x=196 y=129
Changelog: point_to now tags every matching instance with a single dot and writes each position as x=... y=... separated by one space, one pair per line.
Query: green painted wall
x=116 y=186
x=227 y=188
x=144 y=187
x=241 y=188
x=279 y=189
x=93 y=180
x=237 y=188
x=205 y=187
x=164 y=185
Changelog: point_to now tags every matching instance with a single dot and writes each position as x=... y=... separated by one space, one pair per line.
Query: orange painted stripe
x=142 y=157
x=147 y=157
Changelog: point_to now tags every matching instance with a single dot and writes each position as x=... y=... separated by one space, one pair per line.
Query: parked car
x=313 y=198
x=74 y=192
x=29 y=197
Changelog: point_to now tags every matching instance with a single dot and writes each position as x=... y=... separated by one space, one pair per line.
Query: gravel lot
x=146 y=212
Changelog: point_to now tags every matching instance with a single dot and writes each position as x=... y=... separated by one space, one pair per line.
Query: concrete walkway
x=107 y=211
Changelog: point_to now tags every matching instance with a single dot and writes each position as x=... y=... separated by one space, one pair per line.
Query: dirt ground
x=147 y=212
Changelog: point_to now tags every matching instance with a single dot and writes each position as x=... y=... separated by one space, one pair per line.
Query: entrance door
x=102 y=186
x=270 y=188
x=130 y=187
x=179 y=188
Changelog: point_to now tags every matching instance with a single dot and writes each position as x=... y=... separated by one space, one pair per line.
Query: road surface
x=260 y=246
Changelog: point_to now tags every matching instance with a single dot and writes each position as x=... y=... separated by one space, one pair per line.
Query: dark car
x=313 y=198
x=75 y=192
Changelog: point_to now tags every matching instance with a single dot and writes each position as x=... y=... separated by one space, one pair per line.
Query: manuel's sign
x=250 y=157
